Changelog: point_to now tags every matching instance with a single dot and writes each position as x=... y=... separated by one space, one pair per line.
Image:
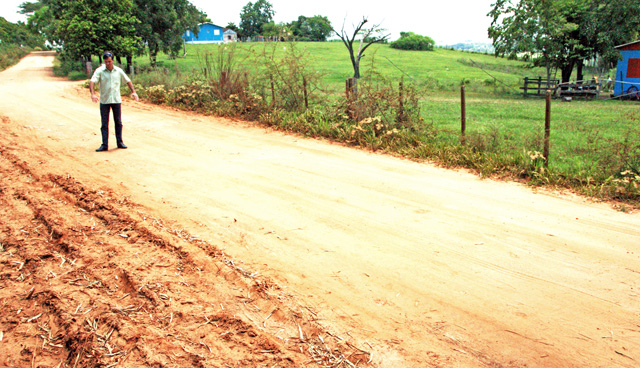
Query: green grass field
x=595 y=145
x=441 y=69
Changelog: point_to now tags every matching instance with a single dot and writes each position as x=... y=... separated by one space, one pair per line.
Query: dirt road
x=416 y=265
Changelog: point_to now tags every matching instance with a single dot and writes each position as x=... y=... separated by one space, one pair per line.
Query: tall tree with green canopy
x=254 y=15
x=618 y=22
x=89 y=27
x=85 y=27
x=40 y=17
x=19 y=34
x=316 y=28
x=562 y=33
x=163 y=22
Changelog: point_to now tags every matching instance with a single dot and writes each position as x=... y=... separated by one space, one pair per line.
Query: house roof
x=635 y=45
x=211 y=24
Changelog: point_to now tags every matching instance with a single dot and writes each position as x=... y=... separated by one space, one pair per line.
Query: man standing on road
x=109 y=76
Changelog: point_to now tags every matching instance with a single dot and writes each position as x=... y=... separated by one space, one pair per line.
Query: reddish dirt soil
x=216 y=243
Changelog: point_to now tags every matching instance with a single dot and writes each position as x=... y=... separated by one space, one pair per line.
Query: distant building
x=627 y=80
x=230 y=35
x=209 y=33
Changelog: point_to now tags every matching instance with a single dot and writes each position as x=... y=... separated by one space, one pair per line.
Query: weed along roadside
x=297 y=87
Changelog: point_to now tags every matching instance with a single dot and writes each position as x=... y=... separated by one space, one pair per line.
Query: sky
x=447 y=22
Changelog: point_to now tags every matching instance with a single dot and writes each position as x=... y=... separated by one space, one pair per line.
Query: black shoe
x=121 y=145
x=102 y=148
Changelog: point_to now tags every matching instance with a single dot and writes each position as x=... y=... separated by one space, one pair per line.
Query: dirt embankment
x=89 y=279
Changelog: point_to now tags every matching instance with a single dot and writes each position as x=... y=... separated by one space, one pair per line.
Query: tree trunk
x=88 y=65
x=129 y=63
x=579 y=70
x=565 y=72
x=354 y=62
x=153 y=53
x=356 y=70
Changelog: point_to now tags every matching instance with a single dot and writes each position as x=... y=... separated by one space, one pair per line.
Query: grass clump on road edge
x=595 y=146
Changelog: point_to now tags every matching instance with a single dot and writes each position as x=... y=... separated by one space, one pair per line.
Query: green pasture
x=442 y=69
x=585 y=135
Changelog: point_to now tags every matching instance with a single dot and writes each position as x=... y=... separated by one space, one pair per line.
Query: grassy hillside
x=442 y=69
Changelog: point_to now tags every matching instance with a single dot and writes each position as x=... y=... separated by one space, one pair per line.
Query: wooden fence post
x=306 y=98
x=526 y=81
x=351 y=88
x=351 y=92
x=547 y=128
x=539 y=84
x=222 y=83
x=273 y=92
x=400 y=118
x=463 y=115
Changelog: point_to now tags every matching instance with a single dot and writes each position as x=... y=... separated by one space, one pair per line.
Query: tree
x=275 y=31
x=618 y=22
x=367 y=37
x=563 y=33
x=232 y=26
x=316 y=28
x=40 y=18
x=253 y=16
x=19 y=34
x=84 y=27
x=163 y=22
x=89 y=27
x=30 y=8
x=412 y=41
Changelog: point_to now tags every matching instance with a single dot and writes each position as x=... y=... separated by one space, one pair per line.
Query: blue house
x=628 y=72
x=209 y=33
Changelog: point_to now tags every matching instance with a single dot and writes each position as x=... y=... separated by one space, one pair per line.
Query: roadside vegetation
x=16 y=41
x=11 y=54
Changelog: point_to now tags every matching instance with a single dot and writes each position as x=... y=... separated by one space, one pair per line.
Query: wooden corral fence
x=538 y=86
x=580 y=89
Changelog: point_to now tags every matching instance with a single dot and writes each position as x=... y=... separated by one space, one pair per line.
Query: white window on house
x=216 y=32
x=188 y=33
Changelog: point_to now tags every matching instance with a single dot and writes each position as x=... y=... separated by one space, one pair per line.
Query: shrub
x=156 y=94
x=396 y=105
x=288 y=80
x=195 y=95
x=65 y=65
x=412 y=41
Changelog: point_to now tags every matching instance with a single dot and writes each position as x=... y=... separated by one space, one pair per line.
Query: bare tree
x=366 y=37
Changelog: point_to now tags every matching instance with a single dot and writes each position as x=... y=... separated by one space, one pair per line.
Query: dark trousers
x=117 y=119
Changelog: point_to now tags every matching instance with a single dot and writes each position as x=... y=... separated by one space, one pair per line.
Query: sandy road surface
x=423 y=266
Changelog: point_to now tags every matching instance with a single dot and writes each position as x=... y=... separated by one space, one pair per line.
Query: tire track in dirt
x=89 y=280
